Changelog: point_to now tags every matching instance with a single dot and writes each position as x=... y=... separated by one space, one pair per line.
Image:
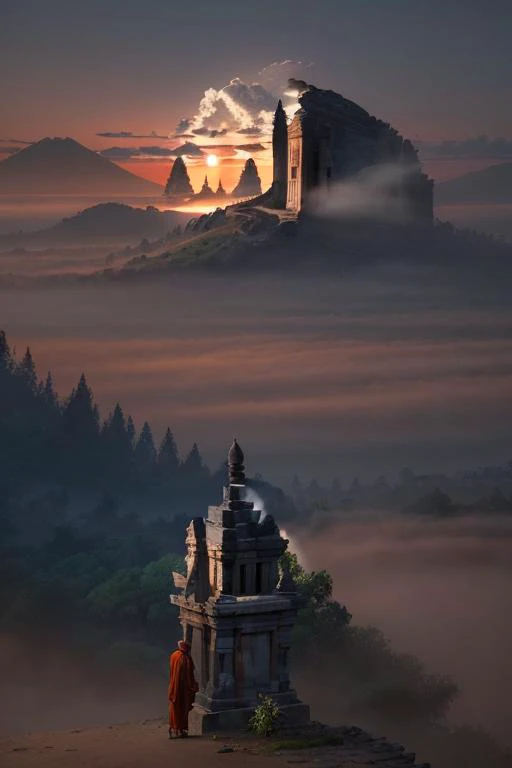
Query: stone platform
x=202 y=721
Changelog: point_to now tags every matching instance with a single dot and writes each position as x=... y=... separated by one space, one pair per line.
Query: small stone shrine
x=237 y=611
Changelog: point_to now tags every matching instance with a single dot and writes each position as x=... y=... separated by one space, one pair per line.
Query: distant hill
x=102 y=222
x=63 y=166
x=491 y=186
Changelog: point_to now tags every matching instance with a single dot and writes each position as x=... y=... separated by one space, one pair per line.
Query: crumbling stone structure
x=331 y=139
x=237 y=610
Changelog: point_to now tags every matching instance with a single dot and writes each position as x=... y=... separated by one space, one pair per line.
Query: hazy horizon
x=358 y=376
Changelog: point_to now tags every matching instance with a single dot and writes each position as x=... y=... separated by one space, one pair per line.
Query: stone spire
x=178 y=182
x=221 y=192
x=250 y=183
x=205 y=192
x=236 y=464
x=280 y=155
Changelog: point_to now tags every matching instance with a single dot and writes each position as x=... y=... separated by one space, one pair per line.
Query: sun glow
x=212 y=161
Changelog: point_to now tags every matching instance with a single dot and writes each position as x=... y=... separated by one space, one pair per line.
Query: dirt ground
x=146 y=745
x=143 y=745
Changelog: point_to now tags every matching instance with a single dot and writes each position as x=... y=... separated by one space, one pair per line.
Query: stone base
x=201 y=720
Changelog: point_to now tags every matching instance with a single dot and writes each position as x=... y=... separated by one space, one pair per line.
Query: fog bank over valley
x=355 y=376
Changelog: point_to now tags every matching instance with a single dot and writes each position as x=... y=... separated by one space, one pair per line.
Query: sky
x=437 y=70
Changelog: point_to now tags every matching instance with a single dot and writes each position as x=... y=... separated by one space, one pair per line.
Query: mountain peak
x=61 y=165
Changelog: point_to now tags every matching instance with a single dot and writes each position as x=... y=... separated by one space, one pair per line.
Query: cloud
x=208 y=133
x=156 y=151
x=236 y=107
x=127 y=153
x=252 y=131
x=120 y=153
x=252 y=98
x=481 y=147
x=183 y=125
x=11 y=147
x=276 y=75
x=189 y=148
x=15 y=141
x=215 y=134
x=250 y=147
x=243 y=107
x=131 y=135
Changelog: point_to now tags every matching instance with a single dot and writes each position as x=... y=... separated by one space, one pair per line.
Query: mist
x=358 y=376
x=439 y=590
x=371 y=193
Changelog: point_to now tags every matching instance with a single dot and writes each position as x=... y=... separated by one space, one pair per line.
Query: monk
x=182 y=689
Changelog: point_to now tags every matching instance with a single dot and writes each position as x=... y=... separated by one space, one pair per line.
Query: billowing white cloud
x=242 y=107
x=237 y=107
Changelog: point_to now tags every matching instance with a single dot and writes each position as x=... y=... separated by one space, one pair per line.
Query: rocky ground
x=145 y=745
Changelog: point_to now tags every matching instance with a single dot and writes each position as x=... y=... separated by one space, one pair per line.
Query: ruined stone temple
x=237 y=611
x=331 y=139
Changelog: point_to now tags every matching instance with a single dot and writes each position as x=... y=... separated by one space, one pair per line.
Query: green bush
x=266 y=716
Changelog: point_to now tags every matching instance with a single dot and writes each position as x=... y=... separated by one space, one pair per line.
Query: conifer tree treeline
x=48 y=439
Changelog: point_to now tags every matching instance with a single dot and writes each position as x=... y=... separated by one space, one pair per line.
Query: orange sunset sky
x=136 y=81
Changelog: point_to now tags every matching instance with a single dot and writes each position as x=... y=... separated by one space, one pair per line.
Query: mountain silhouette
x=63 y=166
x=490 y=186
x=105 y=221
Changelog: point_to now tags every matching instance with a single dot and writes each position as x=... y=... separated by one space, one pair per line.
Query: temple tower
x=236 y=611
x=280 y=155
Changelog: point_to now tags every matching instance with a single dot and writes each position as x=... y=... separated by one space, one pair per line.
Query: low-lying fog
x=440 y=590
x=359 y=375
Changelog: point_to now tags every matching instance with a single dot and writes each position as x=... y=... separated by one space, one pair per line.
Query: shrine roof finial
x=236 y=464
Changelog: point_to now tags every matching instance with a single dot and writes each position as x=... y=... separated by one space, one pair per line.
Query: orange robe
x=182 y=689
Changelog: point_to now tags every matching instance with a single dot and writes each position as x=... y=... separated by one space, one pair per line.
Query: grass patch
x=330 y=740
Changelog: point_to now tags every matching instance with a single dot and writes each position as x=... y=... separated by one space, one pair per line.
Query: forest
x=92 y=521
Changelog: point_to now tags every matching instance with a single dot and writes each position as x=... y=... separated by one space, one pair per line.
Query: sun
x=212 y=161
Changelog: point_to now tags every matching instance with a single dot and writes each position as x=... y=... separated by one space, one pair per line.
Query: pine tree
x=80 y=425
x=117 y=446
x=130 y=429
x=81 y=414
x=26 y=370
x=6 y=359
x=145 y=453
x=49 y=391
x=193 y=468
x=168 y=460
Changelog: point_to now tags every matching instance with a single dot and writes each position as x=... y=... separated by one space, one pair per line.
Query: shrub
x=265 y=718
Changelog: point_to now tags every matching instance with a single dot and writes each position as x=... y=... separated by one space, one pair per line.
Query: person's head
x=183 y=646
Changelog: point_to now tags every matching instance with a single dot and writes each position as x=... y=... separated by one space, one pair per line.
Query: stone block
x=201 y=720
